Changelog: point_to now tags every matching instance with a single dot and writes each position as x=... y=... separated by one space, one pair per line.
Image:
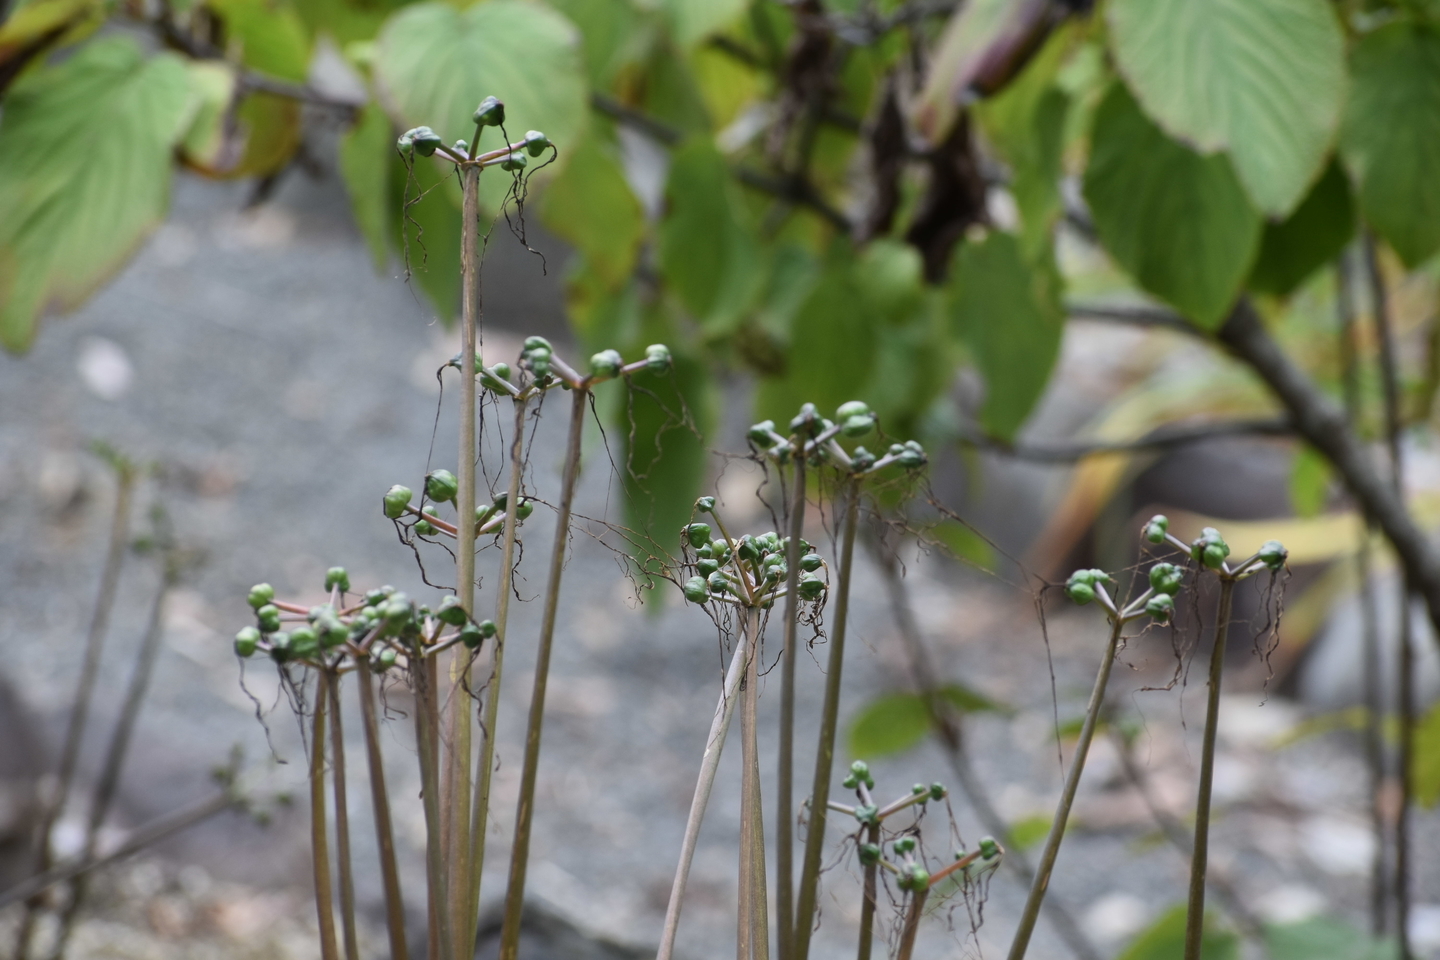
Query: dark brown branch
x=1163 y=438
x=796 y=191
x=657 y=130
x=1133 y=316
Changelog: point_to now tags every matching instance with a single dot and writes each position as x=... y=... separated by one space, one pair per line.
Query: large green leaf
x=426 y=201
x=592 y=206
x=1323 y=938
x=1178 y=222
x=896 y=722
x=614 y=33
x=1261 y=79
x=1391 y=136
x=1009 y=313
x=1165 y=940
x=367 y=153
x=70 y=216
x=434 y=64
x=268 y=35
x=693 y=20
x=1312 y=236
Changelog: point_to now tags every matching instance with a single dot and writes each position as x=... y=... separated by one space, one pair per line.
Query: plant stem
x=480 y=815
x=825 y=750
x=422 y=675
x=319 y=835
x=84 y=691
x=525 y=811
x=755 y=928
x=331 y=682
x=867 y=906
x=380 y=802
x=709 y=763
x=912 y=924
x=457 y=793
x=1067 y=798
x=784 y=803
x=1195 y=912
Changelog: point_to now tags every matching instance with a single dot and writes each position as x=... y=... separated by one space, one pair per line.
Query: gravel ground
x=284 y=386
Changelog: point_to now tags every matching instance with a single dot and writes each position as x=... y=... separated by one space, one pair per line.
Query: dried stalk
x=380 y=801
x=331 y=682
x=319 y=835
x=785 y=800
x=754 y=940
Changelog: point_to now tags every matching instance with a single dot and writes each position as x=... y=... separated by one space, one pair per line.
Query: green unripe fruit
x=862 y=459
x=482 y=514
x=490 y=113
x=280 y=647
x=501 y=371
x=1081 y=593
x=378 y=595
x=426 y=141
x=776 y=572
x=806 y=420
x=850 y=782
x=748 y=549
x=268 y=617
x=260 y=594
x=535 y=343
x=718 y=584
x=938 y=791
x=337 y=577
x=462 y=146
x=721 y=550
x=854 y=408
x=1166 y=578
x=905 y=845
x=811 y=562
x=514 y=161
x=861 y=769
x=657 y=357
x=606 y=363
x=706 y=567
x=332 y=633
x=1273 y=554
x=425 y=528
x=397 y=498
x=304 y=643
x=760 y=433
x=441 y=486
x=706 y=552
x=912 y=456
x=405 y=143
x=1160 y=607
x=397 y=609
x=451 y=612
x=810 y=587
x=697 y=590
x=915 y=879
x=698 y=534
x=989 y=849
x=385 y=659
x=857 y=426
x=527 y=507
x=536 y=143
x=867 y=814
x=471 y=636
x=488 y=628
x=769 y=541
x=918 y=789
x=1156 y=528
x=1210 y=548
x=869 y=854
x=246 y=641
x=501 y=499
x=705 y=505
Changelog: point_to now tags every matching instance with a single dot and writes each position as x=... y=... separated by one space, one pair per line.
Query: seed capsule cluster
x=748 y=572
x=820 y=438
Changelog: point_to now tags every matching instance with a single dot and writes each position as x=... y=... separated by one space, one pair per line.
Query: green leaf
x=1010 y=315
x=980 y=36
x=70 y=217
x=1425 y=764
x=1030 y=831
x=1309 y=482
x=367 y=154
x=434 y=64
x=1177 y=222
x=966 y=700
x=269 y=34
x=889 y=724
x=706 y=255
x=614 y=34
x=1263 y=80
x=1165 y=940
x=1323 y=938
x=1311 y=237
x=427 y=200
x=693 y=20
x=591 y=206
x=965 y=543
x=1390 y=140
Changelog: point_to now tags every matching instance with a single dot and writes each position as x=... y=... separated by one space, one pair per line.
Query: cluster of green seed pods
x=818 y=434
x=751 y=570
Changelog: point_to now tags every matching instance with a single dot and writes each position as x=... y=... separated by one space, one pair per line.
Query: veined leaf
x=1263 y=80
x=1311 y=237
x=1177 y=222
x=434 y=64
x=1165 y=940
x=889 y=724
x=70 y=217
x=614 y=34
x=591 y=206
x=1391 y=136
x=693 y=20
x=367 y=153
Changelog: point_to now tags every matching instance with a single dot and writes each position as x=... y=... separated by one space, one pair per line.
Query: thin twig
x=380 y=803
x=912 y=924
x=319 y=835
x=755 y=931
x=330 y=683
x=871 y=891
x=784 y=804
x=422 y=679
x=1162 y=438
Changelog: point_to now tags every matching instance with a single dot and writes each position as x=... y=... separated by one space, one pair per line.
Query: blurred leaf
x=965 y=543
x=367 y=154
x=346 y=21
x=33 y=28
x=889 y=724
x=1425 y=765
x=212 y=83
x=693 y=20
x=1390 y=139
x=727 y=85
x=671 y=95
x=1309 y=482
x=1030 y=831
x=1311 y=237
x=1176 y=221
x=268 y=36
x=428 y=240
x=706 y=255
x=966 y=700
x=434 y=64
x=268 y=126
x=914 y=364
x=591 y=206
x=69 y=217
x=1323 y=938
x=613 y=33
x=1009 y=313
x=1165 y=940
x=889 y=274
x=1263 y=80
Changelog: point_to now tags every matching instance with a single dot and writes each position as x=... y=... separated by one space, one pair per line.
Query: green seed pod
x=397 y=498
x=490 y=113
x=536 y=143
x=332 y=633
x=1160 y=607
x=246 y=641
x=488 y=628
x=657 y=357
x=1166 y=578
x=498 y=503
x=378 y=595
x=862 y=459
x=869 y=854
x=760 y=433
x=938 y=791
x=989 y=849
x=776 y=572
x=770 y=541
x=384 y=659
x=535 y=343
x=606 y=363
x=857 y=426
x=527 y=507
x=807 y=420
x=426 y=141
x=1156 y=528
x=697 y=590
x=260 y=594
x=705 y=505
x=721 y=550
x=861 y=769
x=698 y=534
x=482 y=514
x=425 y=528
x=706 y=567
x=1273 y=554
x=397 y=609
x=1081 y=593
x=854 y=408
x=540 y=365
x=268 y=617
x=811 y=562
x=748 y=549
x=304 y=643
x=867 y=813
x=441 y=486
x=810 y=587
x=918 y=789
x=405 y=143
x=919 y=878
x=912 y=456
x=705 y=552
x=1210 y=548
x=514 y=161
x=850 y=782
x=905 y=844
x=452 y=612
x=337 y=577
x=471 y=636
x=718 y=584
x=501 y=371
x=462 y=146
x=280 y=647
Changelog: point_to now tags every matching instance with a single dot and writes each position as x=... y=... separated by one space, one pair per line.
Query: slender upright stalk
x=480 y=815
x=458 y=772
x=380 y=802
x=319 y=835
x=755 y=930
x=525 y=811
x=825 y=749
x=912 y=924
x=331 y=682
x=1067 y=798
x=1195 y=912
x=709 y=763
x=867 y=906
x=423 y=675
x=785 y=800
